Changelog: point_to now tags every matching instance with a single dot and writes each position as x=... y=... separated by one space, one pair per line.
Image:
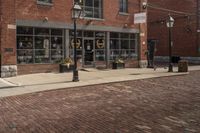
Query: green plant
x=118 y=60
x=67 y=61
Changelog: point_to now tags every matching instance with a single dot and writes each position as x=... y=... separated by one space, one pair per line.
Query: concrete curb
x=50 y=87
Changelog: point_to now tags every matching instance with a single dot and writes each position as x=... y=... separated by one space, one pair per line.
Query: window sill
x=97 y=19
x=124 y=13
x=44 y=4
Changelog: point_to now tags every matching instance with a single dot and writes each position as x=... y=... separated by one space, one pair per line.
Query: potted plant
x=66 y=65
x=118 y=63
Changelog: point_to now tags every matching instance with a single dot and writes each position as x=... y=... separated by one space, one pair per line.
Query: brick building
x=186 y=31
x=36 y=35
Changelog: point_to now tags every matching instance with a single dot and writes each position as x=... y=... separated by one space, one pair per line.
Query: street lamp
x=76 y=13
x=170 y=24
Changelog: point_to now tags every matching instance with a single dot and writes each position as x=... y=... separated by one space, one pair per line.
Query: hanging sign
x=140 y=18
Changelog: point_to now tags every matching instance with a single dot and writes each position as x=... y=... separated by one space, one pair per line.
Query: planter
x=118 y=65
x=65 y=68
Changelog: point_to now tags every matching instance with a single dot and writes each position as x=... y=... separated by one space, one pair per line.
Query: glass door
x=89 y=52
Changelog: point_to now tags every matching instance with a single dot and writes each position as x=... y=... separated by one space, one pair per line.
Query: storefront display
x=122 y=45
x=46 y=46
x=39 y=45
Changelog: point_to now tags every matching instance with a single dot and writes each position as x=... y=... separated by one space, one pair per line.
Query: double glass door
x=89 y=51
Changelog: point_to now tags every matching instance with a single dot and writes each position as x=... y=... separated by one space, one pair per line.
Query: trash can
x=183 y=66
x=176 y=59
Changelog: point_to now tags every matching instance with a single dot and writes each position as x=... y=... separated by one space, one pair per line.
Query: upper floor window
x=123 y=6
x=45 y=1
x=92 y=8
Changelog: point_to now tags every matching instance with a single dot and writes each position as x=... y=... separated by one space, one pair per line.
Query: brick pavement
x=160 y=105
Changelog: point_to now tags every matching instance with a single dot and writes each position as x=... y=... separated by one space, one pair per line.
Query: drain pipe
x=198 y=27
x=0 y=35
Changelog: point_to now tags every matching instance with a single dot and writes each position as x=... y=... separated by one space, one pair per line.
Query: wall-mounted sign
x=9 y=50
x=12 y=26
x=140 y=18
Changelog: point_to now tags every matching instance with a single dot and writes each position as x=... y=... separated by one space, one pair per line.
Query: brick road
x=161 y=105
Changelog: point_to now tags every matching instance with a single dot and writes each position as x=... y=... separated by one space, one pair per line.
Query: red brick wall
x=60 y=11
x=8 y=36
x=37 y=68
x=143 y=35
x=184 y=31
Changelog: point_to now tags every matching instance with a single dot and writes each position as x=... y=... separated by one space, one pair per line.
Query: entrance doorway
x=88 y=52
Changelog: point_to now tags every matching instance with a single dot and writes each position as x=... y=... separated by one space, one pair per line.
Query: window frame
x=124 y=7
x=93 y=8
x=129 y=53
x=53 y=59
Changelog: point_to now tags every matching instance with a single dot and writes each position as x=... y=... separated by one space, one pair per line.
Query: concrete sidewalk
x=50 y=81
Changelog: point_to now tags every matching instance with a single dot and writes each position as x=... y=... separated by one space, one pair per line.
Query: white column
x=67 y=43
x=107 y=49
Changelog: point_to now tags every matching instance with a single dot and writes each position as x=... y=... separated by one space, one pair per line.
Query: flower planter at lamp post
x=118 y=64
x=66 y=66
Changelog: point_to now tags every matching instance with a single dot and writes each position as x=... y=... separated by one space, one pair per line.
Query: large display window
x=39 y=45
x=122 y=45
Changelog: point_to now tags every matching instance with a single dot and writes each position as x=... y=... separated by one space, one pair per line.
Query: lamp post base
x=170 y=68
x=75 y=76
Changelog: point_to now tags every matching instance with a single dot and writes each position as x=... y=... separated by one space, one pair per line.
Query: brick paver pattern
x=160 y=105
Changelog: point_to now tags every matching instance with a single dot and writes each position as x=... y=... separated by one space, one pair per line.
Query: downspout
x=0 y=34
x=139 y=38
x=142 y=37
x=198 y=27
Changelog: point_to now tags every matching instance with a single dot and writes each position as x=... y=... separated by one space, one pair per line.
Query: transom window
x=92 y=8
x=123 y=6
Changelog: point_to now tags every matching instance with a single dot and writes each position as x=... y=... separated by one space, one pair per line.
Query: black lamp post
x=76 y=13
x=170 y=24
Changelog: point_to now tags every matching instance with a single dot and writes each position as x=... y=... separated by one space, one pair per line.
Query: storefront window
x=88 y=34
x=122 y=45
x=42 y=49
x=78 y=33
x=39 y=45
x=25 y=30
x=98 y=39
x=42 y=31
x=100 y=46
